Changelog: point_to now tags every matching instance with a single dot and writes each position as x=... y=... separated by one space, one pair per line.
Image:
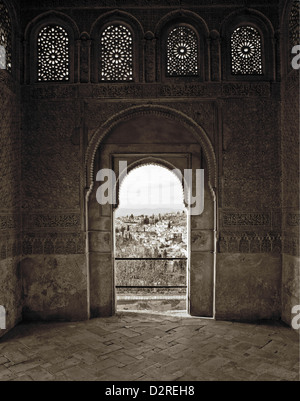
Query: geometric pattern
x=116 y=49
x=246 y=51
x=182 y=52
x=53 y=54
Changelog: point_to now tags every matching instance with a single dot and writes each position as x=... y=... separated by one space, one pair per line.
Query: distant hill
x=148 y=211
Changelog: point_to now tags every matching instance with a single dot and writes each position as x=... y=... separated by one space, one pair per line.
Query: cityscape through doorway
x=151 y=242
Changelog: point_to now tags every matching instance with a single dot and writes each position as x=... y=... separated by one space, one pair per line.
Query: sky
x=151 y=187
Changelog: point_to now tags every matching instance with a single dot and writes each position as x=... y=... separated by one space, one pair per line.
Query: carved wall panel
x=151 y=91
x=62 y=221
x=10 y=197
x=250 y=242
x=290 y=144
x=50 y=161
x=9 y=149
x=53 y=243
x=251 y=149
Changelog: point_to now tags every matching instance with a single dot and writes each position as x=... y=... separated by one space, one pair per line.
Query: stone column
x=215 y=55
x=150 y=45
x=85 y=52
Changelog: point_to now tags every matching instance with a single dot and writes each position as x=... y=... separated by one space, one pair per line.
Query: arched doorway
x=151 y=247
x=148 y=134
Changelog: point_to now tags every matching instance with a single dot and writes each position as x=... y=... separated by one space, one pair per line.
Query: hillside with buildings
x=158 y=236
x=155 y=236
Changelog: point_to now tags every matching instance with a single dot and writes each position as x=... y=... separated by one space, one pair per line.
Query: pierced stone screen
x=53 y=54
x=116 y=48
x=5 y=38
x=182 y=52
x=246 y=51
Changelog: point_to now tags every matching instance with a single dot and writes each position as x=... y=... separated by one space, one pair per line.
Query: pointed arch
x=66 y=32
x=197 y=131
x=247 y=34
x=192 y=54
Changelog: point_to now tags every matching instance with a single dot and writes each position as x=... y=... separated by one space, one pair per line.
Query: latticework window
x=182 y=52
x=246 y=51
x=116 y=54
x=294 y=34
x=5 y=38
x=53 y=54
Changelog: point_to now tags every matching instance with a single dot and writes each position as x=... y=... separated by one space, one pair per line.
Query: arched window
x=294 y=34
x=246 y=51
x=53 y=54
x=5 y=38
x=182 y=52
x=116 y=53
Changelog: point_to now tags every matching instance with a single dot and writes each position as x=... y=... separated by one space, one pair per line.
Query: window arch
x=246 y=51
x=248 y=47
x=5 y=38
x=182 y=48
x=53 y=54
x=182 y=52
x=50 y=54
x=116 y=53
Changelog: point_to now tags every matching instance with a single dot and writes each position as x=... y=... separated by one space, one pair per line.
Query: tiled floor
x=139 y=347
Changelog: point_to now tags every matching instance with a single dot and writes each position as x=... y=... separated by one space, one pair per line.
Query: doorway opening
x=151 y=242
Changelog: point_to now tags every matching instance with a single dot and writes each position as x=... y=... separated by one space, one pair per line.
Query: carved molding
x=150 y=90
x=63 y=221
x=249 y=242
x=53 y=92
x=246 y=219
x=121 y=3
x=53 y=243
x=163 y=111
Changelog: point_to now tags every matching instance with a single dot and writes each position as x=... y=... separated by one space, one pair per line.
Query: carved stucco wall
x=249 y=185
x=248 y=265
x=53 y=265
x=242 y=122
x=10 y=239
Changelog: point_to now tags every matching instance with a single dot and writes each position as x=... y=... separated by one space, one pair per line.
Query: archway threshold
x=169 y=313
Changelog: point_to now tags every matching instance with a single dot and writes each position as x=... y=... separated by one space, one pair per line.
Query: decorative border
x=53 y=243
x=135 y=90
x=249 y=242
x=63 y=221
x=246 y=219
x=156 y=110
